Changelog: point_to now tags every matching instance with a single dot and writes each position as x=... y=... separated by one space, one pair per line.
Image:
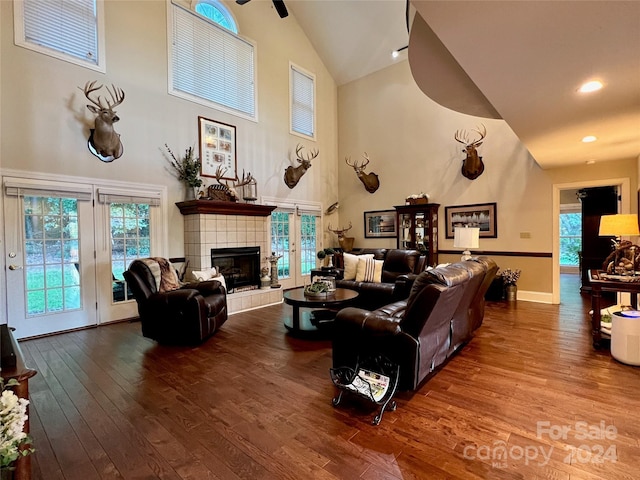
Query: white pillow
x=204 y=275
x=369 y=270
x=351 y=264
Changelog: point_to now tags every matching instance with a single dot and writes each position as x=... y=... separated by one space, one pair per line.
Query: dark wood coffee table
x=296 y=298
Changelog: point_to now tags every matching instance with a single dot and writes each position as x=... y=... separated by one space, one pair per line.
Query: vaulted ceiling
x=522 y=61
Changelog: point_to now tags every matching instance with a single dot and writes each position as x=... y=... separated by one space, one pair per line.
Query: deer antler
x=482 y=134
x=462 y=137
x=244 y=181
x=117 y=95
x=366 y=157
x=313 y=154
x=341 y=231
x=89 y=88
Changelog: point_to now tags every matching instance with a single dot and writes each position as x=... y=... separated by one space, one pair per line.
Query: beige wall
x=45 y=119
x=409 y=139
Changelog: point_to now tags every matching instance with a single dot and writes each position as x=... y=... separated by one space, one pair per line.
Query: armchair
x=171 y=313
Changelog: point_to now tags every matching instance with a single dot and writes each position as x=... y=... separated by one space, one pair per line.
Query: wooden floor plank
x=255 y=403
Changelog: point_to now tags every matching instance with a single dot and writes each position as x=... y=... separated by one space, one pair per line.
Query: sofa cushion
x=369 y=270
x=351 y=265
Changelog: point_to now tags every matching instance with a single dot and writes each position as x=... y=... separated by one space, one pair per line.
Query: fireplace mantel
x=193 y=207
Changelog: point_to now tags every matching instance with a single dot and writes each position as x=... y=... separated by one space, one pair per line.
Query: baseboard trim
x=537 y=297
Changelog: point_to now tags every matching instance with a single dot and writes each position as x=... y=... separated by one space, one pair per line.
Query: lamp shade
x=466 y=237
x=619 y=225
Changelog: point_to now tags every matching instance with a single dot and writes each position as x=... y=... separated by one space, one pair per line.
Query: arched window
x=218 y=13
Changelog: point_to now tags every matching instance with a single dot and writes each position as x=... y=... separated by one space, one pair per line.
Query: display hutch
x=418 y=229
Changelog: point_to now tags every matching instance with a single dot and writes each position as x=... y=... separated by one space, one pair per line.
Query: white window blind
x=302 y=90
x=211 y=63
x=26 y=188
x=67 y=29
x=110 y=195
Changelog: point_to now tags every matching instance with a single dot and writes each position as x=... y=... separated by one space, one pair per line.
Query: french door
x=65 y=253
x=50 y=262
x=295 y=238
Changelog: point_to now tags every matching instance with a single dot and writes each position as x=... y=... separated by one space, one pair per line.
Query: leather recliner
x=420 y=333
x=187 y=315
x=399 y=269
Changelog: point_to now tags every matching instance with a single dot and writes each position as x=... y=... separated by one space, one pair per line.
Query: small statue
x=265 y=279
x=273 y=260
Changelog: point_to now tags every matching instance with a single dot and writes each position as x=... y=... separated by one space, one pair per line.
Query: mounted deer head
x=346 y=243
x=292 y=175
x=231 y=189
x=472 y=166
x=369 y=180
x=104 y=141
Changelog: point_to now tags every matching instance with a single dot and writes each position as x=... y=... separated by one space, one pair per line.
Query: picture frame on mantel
x=481 y=215
x=217 y=148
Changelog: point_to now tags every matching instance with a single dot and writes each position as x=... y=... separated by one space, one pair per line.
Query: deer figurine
x=472 y=166
x=292 y=174
x=231 y=190
x=104 y=142
x=369 y=180
x=346 y=243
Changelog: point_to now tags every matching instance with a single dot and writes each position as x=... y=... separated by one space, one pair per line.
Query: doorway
x=623 y=189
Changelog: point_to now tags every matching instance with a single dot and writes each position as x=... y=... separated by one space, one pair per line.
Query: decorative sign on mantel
x=212 y=207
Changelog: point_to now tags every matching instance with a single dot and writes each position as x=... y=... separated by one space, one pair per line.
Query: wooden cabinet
x=418 y=229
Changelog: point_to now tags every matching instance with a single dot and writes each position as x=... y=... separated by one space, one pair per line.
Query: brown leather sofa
x=444 y=308
x=187 y=315
x=399 y=269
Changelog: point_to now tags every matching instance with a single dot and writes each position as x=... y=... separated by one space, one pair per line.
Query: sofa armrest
x=205 y=288
x=403 y=286
x=357 y=321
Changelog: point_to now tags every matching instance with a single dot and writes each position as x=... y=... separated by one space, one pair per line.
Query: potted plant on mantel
x=187 y=170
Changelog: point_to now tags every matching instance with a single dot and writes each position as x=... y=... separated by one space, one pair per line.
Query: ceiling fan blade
x=242 y=2
x=280 y=8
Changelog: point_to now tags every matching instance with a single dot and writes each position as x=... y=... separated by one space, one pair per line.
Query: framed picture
x=217 y=148
x=380 y=224
x=481 y=215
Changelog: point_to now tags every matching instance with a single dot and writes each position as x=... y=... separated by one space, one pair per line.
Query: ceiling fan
x=278 y=4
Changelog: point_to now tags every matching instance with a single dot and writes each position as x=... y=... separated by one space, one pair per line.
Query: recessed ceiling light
x=590 y=162
x=591 y=86
x=589 y=139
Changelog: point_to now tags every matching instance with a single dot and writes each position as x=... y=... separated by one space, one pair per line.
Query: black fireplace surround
x=240 y=267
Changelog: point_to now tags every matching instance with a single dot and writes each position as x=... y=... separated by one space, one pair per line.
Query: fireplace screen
x=240 y=267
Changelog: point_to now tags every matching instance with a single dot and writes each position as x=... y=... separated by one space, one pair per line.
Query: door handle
x=15 y=267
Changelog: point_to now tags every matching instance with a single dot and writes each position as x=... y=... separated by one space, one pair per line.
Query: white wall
x=45 y=120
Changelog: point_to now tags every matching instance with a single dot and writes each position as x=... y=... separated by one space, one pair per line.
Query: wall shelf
x=212 y=207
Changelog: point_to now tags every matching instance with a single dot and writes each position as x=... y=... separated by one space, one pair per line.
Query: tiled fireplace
x=212 y=225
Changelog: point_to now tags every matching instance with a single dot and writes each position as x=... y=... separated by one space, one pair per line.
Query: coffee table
x=296 y=298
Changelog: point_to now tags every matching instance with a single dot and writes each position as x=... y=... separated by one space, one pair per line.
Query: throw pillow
x=369 y=270
x=204 y=275
x=351 y=264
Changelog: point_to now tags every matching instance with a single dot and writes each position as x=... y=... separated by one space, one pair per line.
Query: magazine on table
x=370 y=384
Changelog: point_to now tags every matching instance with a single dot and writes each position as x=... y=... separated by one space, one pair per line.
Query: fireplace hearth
x=240 y=267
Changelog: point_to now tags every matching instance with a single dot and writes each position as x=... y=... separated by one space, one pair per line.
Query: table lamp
x=618 y=225
x=466 y=238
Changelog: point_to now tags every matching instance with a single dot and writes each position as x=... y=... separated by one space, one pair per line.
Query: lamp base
x=466 y=255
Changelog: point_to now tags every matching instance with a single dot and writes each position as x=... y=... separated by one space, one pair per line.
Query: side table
x=599 y=284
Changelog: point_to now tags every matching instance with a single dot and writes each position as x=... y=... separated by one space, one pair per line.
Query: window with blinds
x=70 y=30
x=210 y=65
x=302 y=101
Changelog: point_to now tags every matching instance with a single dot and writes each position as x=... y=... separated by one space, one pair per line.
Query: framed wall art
x=481 y=215
x=380 y=224
x=217 y=148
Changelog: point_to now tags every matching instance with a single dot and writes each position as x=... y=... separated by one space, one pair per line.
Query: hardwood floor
x=254 y=403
